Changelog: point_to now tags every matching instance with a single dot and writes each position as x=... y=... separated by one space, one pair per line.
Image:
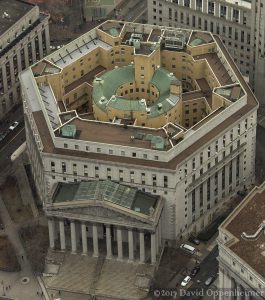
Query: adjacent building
x=242 y=249
x=24 y=39
x=96 y=10
x=239 y=23
x=161 y=109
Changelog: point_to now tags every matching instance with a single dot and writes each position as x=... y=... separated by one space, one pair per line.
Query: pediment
x=101 y=214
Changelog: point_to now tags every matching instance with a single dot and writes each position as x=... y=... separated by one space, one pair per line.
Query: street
x=209 y=267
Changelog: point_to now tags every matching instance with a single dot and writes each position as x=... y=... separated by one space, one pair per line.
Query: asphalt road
x=209 y=266
x=10 y=144
x=132 y=10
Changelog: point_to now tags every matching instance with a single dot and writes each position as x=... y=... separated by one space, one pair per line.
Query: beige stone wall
x=79 y=96
x=193 y=111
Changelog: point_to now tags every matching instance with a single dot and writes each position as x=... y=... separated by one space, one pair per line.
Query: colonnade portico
x=118 y=224
x=75 y=225
x=233 y=288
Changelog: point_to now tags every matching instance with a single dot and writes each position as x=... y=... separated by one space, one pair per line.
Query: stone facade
x=208 y=154
x=25 y=41
x=241 y=249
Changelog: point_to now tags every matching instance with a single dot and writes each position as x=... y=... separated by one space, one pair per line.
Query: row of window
x=111 y=152
x=219 y=144
x=151 y=179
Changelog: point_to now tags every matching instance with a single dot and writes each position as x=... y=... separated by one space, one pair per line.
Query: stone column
x=130 y=245
x=158 y=236
x=51 y=232
x=119 y=242
x=247 y=295
x=234 y=173
x=19 y=68
x=73 y=237
x=26 y=53
x=205 y=6
x=227 y=184
x=227 y=286
x=40 y=44
x=193 y=4
x=84 y=238
x=229 y=13
x=142 y=247
x=47 y=39
x=238 y=291
x=221 y=279
x=160 y=232
x=12 y=72
x=95 y=240
x=4 y=78
x=153 y=248
x=62 y=234
x=33 y=50
x=217 y=9
x=157 y=240
x=108 y=241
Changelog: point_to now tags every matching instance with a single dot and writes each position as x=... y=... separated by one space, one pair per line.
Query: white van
x=187 y=248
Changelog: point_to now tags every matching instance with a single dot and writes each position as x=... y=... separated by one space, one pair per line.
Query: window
x=99 y=150
x=65 y=145
x=193 y=201
x=63 y=167
x=165 y=181
x=134 y=154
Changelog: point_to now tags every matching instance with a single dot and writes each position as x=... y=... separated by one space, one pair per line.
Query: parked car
x=3 y=135
x=185 y=281
x=209 y=280
x=194 y=240
x=13 y=126
x=188 y=249
x=195 y=271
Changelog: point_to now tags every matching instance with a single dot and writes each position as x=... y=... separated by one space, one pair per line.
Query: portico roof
x=105 y=201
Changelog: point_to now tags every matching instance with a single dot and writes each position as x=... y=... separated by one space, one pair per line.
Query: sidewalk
x=19 y=290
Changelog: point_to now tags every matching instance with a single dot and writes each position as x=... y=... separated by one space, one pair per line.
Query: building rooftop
x=107 y=85
x=111 y=133
x=11 y=12
x=109 y=191
x=247 y=218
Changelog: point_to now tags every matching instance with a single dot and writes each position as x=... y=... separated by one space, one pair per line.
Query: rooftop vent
x=159 y=105
x=256 y=234
x=68 y=131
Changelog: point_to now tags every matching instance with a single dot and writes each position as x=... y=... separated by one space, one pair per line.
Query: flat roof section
x=11 y=12
x=115 y=134
x=242 y=220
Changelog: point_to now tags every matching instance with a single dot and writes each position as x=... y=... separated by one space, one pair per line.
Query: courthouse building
x=240 y=24
x=242 y=248
x=24 y=39
x=159 y=109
